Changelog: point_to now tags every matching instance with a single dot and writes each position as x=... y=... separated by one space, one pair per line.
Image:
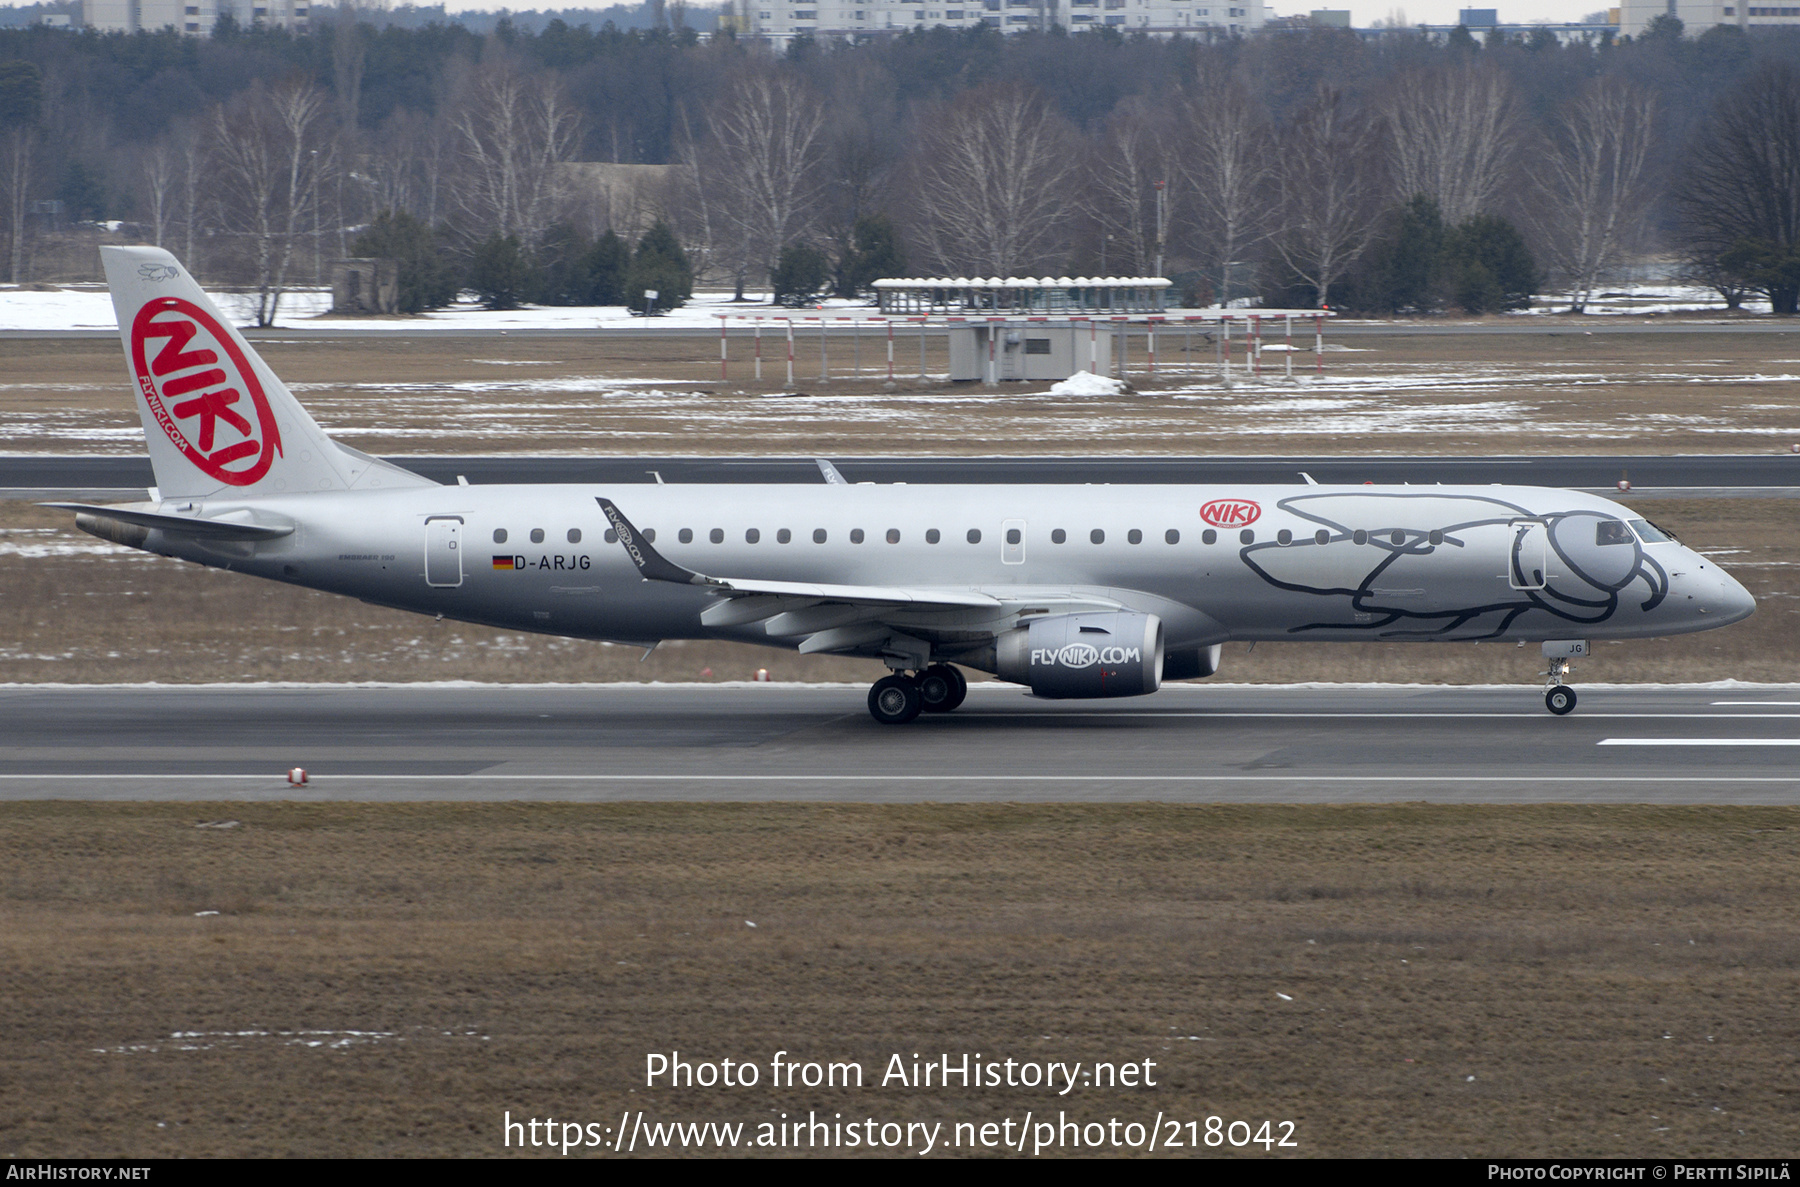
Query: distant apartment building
x=1700 y=15
x=780 y=21
x=191 y=16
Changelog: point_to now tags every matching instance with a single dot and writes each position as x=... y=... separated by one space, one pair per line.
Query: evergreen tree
x=499 y=272
x=1405 y=273
x=560 y=275
x=1487 y=266
x=606 y=264
x=799 y=274
x=874 y=253
x=659 y=264
x=427 y=280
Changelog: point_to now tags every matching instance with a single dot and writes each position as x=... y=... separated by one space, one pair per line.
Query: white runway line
x=944 y=778
x=1698 y=742
x=1753 y=703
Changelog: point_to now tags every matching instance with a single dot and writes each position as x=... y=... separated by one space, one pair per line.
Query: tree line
x=1301 y=167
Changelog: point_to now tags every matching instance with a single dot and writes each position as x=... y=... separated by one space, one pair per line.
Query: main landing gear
x=897 y=699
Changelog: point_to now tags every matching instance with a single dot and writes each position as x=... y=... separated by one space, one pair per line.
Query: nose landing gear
x=897 y=699
x=1559 y=698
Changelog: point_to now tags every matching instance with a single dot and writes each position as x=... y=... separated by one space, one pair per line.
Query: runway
x=1186 y=744
x=51 y=476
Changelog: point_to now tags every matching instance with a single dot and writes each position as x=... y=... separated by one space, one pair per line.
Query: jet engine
x=1113 y=654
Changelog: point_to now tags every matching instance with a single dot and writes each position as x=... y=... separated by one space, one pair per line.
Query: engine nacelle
x=1113 y=654
x=1191 y=665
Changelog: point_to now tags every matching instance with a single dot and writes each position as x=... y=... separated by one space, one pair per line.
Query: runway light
x=762 y=675
x=1624 y=484
x=297 y=777
x=706 y=673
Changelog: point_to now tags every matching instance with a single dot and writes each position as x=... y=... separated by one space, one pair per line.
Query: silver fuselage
x=1321 y=563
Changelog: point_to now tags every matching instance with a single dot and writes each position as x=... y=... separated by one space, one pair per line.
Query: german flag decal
x=504 y=562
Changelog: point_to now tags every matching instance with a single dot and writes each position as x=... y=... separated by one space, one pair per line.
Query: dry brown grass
x=1617 y=981
x=1557 y=390
x=127 y=617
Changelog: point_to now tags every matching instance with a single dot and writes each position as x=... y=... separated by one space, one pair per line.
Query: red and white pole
x=1319 y=343
x=1290 y=346
x=790 y=336
x=1150 y=338
x=890 y=329
x=722 y=375
x=759 y=350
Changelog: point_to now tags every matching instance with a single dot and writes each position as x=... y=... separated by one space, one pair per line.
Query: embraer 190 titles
x=1071 y=591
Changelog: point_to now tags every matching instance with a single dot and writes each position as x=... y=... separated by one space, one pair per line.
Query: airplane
x=1071 y=591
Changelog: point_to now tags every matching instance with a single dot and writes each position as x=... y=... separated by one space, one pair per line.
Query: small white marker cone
x=297 y=777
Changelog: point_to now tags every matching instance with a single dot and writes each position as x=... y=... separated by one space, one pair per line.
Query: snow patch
x=1086 y=383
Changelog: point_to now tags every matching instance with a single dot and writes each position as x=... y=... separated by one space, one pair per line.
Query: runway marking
x=1756 y=702
x=1698 y=742
x=949 y=778
x=984 y=715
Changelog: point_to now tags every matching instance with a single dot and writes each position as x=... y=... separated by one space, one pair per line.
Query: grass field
x=1559 y=390
x=1410 y=980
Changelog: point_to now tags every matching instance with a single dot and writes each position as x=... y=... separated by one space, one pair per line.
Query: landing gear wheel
x=1560 y=700
x=942 y=688
x=895 y=700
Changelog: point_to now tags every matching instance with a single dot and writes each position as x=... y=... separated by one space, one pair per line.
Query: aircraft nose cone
x=1735 y=602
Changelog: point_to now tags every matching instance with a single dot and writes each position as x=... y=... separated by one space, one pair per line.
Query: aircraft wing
x=848 y=617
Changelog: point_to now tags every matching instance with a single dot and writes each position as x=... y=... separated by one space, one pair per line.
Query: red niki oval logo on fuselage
x=212 y=407
x=1231 y=513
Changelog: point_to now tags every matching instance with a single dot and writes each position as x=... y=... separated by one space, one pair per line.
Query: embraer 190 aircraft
x=1071 y=591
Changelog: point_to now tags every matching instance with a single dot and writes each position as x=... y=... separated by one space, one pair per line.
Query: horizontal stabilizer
x=221 y=528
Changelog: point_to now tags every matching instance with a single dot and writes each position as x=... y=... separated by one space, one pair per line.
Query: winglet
x=652 y=565
x=832 y=477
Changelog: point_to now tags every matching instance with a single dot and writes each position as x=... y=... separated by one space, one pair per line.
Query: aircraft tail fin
x=217 y=420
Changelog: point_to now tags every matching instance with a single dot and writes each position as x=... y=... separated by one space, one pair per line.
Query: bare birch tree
x=513 y=132
x=992 y=183
x=1452 y=134
x=1132 y=161
x=766 y=134
x=1227 y=170
x=1327 y=186
x=271 y=151
x=21 y=97
x=159 y=169
x=1592 y=187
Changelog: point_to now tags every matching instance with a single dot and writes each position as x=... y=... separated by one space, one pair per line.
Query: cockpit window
x=1611 y=531
x=1649 y=533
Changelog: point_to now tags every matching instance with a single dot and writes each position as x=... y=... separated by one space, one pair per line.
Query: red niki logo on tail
x=199 y=402
x=1230 y=513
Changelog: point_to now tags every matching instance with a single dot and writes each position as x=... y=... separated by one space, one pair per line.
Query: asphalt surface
x=1193 y=743
x=47 y=476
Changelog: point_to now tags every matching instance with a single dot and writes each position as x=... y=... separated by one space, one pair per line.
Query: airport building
x=194 y=17
x=1700 y=15
x=781 y=21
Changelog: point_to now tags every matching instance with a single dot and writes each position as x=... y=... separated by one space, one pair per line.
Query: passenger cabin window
x=574 y=535
x=783 y=536
x=1134 y=536
x=818 y=535
x=537 y=535
x=1360 y=536
x=1209 y=537
x=751 y=536
x=1171 y=537
x=974 y=535
x=1611 y=531
x=893 y=536
x=1284 y=537
x=1058 y=536
x=612 y=536
x=1436 y=537
x=1246 y=537
x=685 y=535
x=499 y=535
x=650 y=535
x=717 y=535
x=932 y=536
x=856 y=535
x=1321 y=537
x=1399 y=537
x=1013 y=536
x=1097 y=536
